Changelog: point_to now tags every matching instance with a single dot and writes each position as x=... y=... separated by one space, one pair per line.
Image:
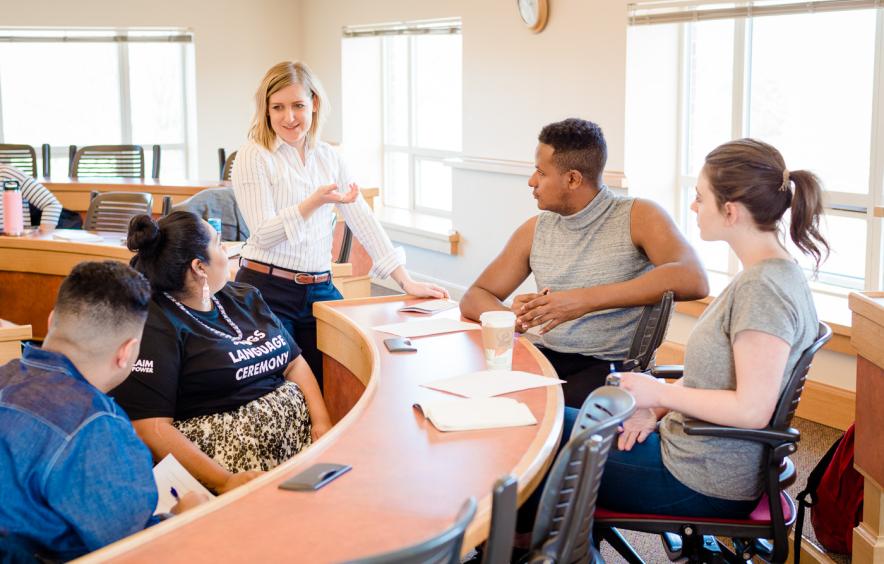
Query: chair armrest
x=671 y=371
x=767 y=436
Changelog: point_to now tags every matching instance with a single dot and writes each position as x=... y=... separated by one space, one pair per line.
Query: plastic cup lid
x=502 y=318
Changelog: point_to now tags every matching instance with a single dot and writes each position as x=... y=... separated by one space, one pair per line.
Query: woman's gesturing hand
x=327 y=194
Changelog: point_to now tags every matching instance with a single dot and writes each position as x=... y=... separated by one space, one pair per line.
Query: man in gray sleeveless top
x=597 y=258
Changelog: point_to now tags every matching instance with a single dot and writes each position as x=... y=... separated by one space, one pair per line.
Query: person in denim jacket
x=73 y=474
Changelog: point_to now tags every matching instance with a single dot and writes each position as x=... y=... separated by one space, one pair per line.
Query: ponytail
x=754 y=173
x=807 y=206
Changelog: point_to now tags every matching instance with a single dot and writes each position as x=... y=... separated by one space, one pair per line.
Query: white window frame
x=122 y=38
x=413 y=151
x=844 y=204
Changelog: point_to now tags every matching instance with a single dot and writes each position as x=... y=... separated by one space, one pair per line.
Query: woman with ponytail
x=219 y=382
x=739 y=352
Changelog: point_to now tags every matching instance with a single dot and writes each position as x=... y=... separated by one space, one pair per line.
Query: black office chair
x=442 y=549
x=123 y=161
x=22 y=157
x=346 y=242
x=112 y=211
x=563 y=526
x=693 y=538
x=649 y=334
x=225 y=164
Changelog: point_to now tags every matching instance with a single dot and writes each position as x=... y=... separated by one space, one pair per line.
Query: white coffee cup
x=497 y=338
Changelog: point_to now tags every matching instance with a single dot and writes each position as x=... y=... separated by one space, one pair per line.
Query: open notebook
x=476 y=413
x=170 y=474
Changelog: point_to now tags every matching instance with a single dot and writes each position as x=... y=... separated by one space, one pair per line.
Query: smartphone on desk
x=399 y=344
x=314 y=477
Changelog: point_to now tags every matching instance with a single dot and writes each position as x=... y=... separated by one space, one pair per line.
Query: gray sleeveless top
x=589 y=248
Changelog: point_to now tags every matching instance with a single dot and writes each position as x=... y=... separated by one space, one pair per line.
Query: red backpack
x=835 y=492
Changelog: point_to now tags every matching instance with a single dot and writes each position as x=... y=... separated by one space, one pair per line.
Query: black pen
x=174 y=492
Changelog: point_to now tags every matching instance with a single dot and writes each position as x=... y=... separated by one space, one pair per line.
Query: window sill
x=420 y=230
x=832 y=309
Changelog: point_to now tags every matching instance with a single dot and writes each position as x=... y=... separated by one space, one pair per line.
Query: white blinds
x=420 y=27
x=660 y=12
x=54 y=35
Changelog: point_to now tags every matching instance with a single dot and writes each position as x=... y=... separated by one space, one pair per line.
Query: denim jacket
x=73 y=474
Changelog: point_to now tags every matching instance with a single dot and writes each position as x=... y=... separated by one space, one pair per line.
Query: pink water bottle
x=13 y=220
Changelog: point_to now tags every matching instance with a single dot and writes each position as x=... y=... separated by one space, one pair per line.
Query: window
x=97 y=87
x=805 y=83
x=411 y=76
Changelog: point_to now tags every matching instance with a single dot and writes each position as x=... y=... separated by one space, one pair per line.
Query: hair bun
x=144 y=234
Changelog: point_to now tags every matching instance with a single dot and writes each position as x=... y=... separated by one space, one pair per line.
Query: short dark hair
x=577 y=144
x=106 y=294
x=165 y=248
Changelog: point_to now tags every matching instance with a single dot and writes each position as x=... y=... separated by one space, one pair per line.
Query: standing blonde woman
x=287 y=183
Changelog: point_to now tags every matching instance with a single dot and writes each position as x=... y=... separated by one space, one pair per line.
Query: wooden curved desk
x=32 y=269
x=408 y=479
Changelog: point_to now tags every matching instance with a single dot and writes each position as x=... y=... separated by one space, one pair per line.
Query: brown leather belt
x=294 y=276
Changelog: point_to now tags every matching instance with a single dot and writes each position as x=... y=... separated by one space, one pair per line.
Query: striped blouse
x=269 y=185
x=33 y=192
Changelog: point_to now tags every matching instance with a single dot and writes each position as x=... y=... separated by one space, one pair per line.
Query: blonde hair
x=283 y=75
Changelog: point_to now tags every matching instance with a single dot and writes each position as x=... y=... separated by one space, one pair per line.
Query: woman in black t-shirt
x=219 y=383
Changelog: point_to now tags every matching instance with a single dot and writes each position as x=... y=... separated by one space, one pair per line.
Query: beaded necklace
x=235 y=338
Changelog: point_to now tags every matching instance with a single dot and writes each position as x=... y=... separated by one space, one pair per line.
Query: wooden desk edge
x=13 y=332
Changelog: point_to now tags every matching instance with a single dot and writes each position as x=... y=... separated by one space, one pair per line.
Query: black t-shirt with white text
x=185 y=370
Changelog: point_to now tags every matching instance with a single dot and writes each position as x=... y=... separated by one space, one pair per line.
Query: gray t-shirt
x=772 y=297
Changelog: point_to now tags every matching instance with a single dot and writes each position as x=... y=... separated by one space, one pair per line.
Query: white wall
x=235 y=43
x=515 y=82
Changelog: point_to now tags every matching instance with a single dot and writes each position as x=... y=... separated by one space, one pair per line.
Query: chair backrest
x=155 y=162
x=562 y=529
x=227 y=167
x=649 y=333
x=499 y=546
x=112 y=211
x=22 y=157
x=791 y=394
x=124 y=161
x=441 y=549
x=779 y=470
x=215 y=202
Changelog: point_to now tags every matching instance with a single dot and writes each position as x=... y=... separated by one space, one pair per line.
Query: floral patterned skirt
x=260 y=435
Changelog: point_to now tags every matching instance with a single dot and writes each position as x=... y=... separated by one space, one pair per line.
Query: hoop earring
x=207 y=295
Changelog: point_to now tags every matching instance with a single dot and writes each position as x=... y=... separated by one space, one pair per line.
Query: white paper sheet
x=430 y=306
x=77 y=236
x=476 y=413
x=488 y=383
x=424 y=327
x=170 y=474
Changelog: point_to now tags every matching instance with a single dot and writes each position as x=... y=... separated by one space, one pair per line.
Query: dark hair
x=577 y=144
x=165 y=248
x=754 y=173
x=104 y=294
